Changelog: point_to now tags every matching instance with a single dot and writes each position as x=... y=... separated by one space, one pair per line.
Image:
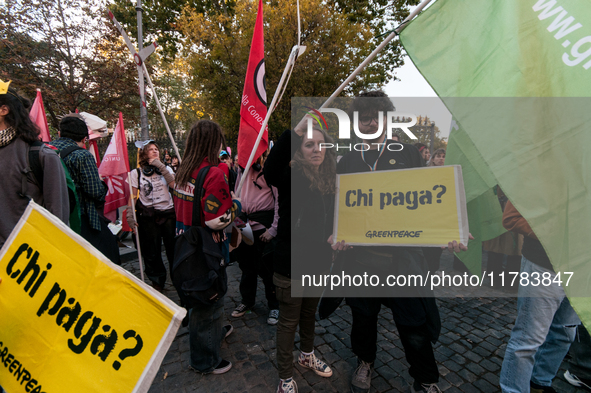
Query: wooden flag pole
x=135 y=230
x=176 y=150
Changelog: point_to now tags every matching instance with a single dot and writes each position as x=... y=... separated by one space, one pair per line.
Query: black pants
x=416 y=340
x=432 y=256
x=151 y=236
x=102 y=240
x=254 y=261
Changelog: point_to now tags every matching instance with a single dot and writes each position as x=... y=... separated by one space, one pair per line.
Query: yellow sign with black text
x=72 y=321
x=407 y=207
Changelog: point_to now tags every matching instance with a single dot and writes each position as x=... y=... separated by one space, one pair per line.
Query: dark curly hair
x=18 y=115
x=143 y=157
x=371 y=102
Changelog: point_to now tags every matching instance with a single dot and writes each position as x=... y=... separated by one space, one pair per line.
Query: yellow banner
x=72 y=321
x=409 y=207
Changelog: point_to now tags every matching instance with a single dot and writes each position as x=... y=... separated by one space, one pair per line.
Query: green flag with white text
x=516 y=75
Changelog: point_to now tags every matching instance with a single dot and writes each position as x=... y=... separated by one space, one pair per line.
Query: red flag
x=254 y=98
x=93 y=149
x=37 y=115
x=114 y=169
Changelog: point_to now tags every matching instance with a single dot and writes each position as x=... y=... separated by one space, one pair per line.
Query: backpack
x=199 y=268
x=34 y=166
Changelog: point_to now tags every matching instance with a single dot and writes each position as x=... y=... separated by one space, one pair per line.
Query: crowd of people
x=287 y=207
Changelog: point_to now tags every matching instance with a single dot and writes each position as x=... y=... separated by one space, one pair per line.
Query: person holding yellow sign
x=417 y=318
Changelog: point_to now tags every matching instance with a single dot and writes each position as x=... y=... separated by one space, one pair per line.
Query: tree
x=160 y=19
x=66 y=48
x=422 y=130
x=217 y=48
x=382 y=16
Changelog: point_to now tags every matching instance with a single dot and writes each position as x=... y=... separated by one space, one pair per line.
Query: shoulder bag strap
x=198 y=196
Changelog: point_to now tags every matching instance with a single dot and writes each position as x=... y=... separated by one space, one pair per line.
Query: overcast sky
x=411 y=86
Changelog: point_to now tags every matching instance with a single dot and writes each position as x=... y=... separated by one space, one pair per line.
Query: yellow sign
x=408 y=207
x=72 y=321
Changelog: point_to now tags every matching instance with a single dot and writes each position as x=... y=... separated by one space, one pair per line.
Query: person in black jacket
x=417 y=318
x=305 y=178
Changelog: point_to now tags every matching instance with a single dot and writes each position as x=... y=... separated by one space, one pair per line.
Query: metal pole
x=176 y=150
x=140 y=42
x=135 y=230
x=432 y=137
x=377 y=50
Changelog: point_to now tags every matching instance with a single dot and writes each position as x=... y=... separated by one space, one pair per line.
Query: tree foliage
x=65 y=48
x=217 y=49
x=160 y=19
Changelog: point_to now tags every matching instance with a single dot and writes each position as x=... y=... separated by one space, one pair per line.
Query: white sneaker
x=575 y=381
x=273 y=317
x=287 y=386
x=315 y=364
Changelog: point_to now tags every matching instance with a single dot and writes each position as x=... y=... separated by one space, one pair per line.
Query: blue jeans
x=544 y=329
x=205 y=336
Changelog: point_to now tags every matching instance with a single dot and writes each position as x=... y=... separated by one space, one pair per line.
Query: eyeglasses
x=366 y=120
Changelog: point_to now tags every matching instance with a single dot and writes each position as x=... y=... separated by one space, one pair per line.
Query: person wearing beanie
x=73 y=134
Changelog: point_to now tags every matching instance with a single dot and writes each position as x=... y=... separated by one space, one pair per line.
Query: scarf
x=149 y=170
x=6 y=136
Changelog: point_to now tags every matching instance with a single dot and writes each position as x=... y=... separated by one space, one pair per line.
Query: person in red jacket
x=204 y=142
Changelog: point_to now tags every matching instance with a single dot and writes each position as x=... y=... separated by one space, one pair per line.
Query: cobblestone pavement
x=469 y=352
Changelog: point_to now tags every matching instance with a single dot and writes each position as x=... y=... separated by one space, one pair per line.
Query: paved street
x=470 y=350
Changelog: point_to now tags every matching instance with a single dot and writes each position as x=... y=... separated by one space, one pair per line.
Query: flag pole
x=176 y=150
x=290 y=62
x=137 y=236
x=373 y=54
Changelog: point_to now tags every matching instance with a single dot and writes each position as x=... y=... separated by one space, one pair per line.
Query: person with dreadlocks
x=204 y=142
x=18 y=137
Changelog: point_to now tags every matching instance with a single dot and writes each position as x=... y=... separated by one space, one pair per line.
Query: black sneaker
x=223 y=367
x=240 y=310
x=535 y=388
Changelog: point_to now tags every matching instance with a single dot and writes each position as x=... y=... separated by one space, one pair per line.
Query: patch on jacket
x=212 y=204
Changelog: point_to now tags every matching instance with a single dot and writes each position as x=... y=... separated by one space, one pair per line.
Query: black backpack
x=199 y=268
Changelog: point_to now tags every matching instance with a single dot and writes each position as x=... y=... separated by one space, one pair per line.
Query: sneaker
x=287 y=386
x=576 y=381
x=240 y=310
x=229 y=329
x=273 y=317
x=223 y=367
x=418 y=387
x=361 y=381
x=315 y=364
x=535 y=388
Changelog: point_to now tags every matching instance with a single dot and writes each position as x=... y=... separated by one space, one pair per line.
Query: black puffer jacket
x=305 y=216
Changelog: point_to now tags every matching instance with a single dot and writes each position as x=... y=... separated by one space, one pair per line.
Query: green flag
x=535 y=148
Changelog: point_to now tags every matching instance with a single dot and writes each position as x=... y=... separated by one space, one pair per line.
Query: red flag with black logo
x=253 y=108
